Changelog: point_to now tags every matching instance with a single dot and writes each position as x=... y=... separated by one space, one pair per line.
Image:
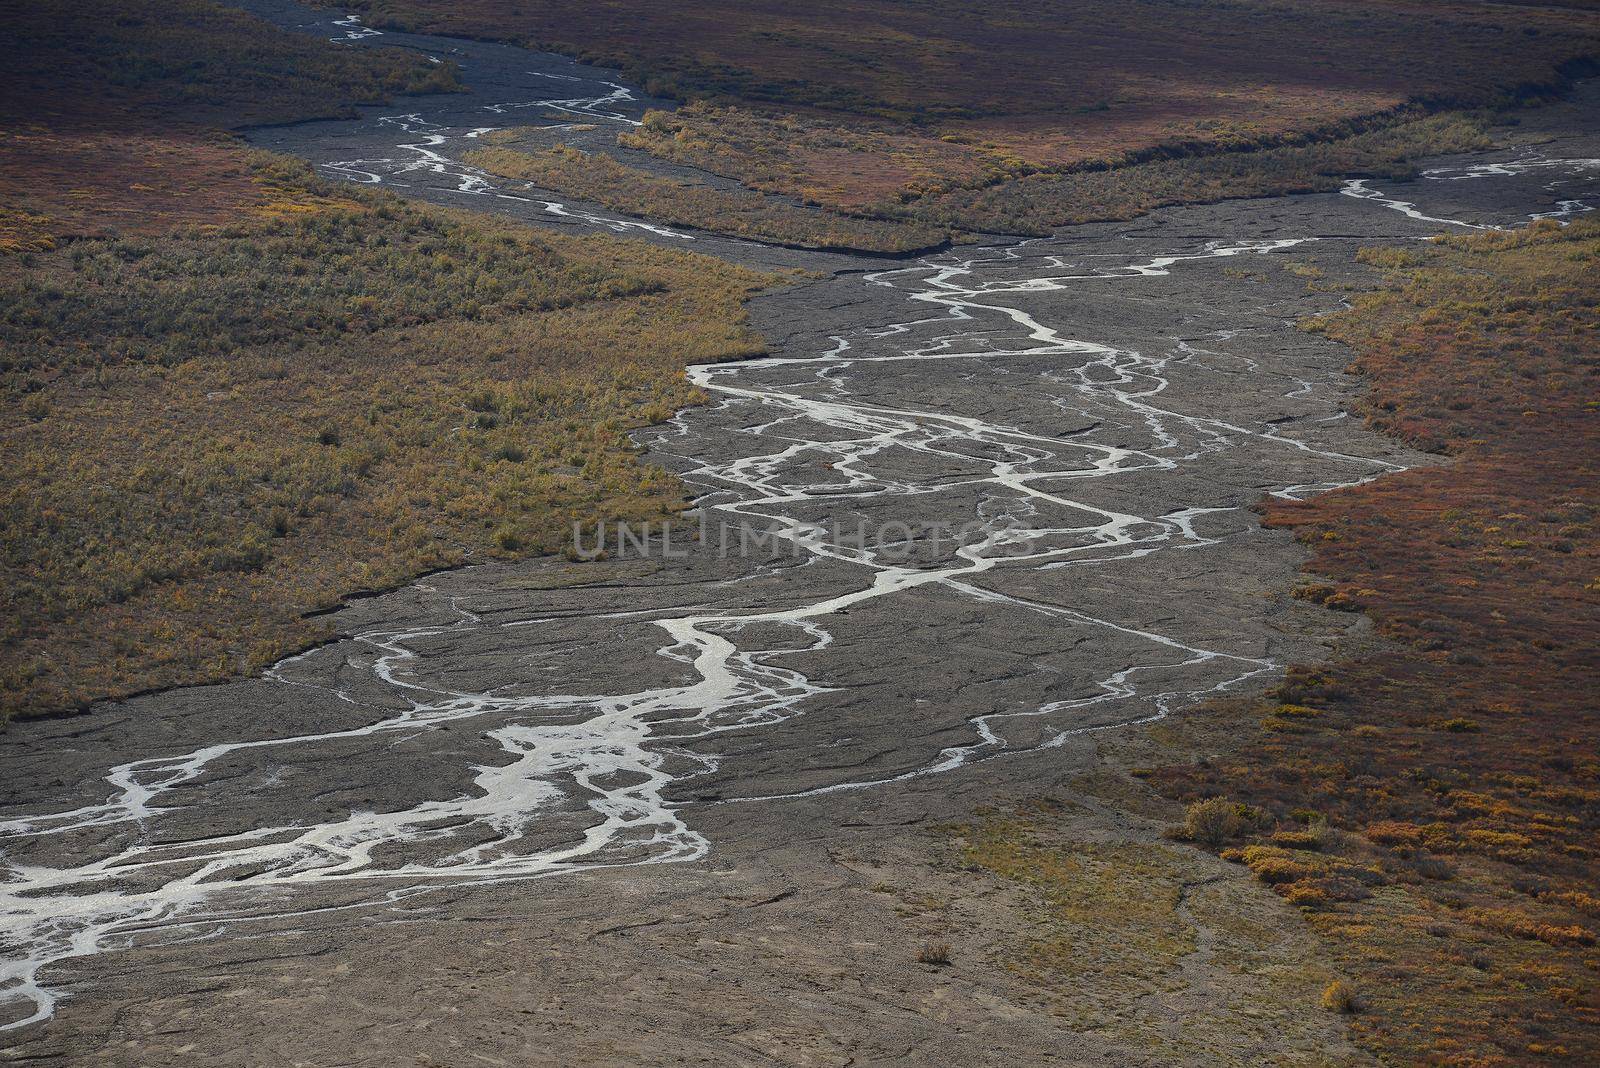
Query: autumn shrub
x=1217 y=821
x=1339 y=997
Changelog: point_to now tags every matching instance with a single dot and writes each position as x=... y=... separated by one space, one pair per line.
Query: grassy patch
x=1108 y=924
x=214 y=431
x=1125 y=939
x=862 y=165
x=1456 y=877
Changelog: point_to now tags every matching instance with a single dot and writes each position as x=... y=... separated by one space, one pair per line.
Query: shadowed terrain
x=905 y=107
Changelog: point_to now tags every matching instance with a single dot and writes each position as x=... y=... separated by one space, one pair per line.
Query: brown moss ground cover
x=875 y=102
x=213 y=432
x=1458 y=772
x=739 y=212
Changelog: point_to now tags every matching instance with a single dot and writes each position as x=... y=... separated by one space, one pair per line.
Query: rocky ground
x=709 y=802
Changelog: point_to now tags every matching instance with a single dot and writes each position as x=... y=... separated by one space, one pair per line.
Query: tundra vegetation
x=238 y=393
x=1434 y=807
x=217 y=430
x=1033 y=203
x=600 y=178
x=1005 y=116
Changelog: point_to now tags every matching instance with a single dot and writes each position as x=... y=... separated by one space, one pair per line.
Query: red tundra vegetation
x=1434 y=806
